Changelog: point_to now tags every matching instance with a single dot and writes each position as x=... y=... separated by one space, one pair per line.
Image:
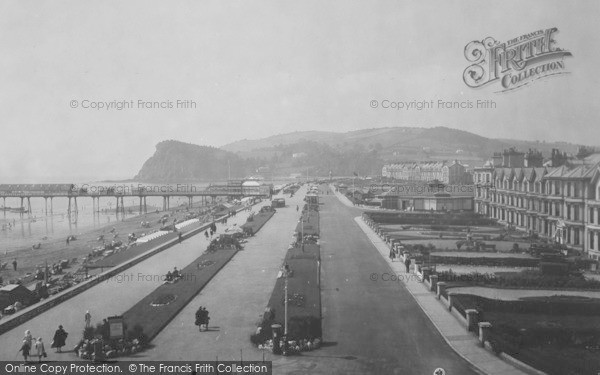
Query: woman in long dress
x=40 y=350
x=60 y=336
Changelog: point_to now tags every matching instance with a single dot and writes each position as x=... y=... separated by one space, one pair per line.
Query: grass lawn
x=304 y=294
x=154 y=318
x=259 y=220
x=555 y=344
x=311 y=223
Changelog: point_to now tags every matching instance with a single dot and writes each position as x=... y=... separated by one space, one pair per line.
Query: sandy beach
x=56 y=249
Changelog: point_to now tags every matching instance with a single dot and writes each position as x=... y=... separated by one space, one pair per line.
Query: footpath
x=235 y=298
x=455 y=334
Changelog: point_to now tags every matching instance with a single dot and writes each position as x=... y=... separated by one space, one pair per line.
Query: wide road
x=111 y=297
x=368 y=327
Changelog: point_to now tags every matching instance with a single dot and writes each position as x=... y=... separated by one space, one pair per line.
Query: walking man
x=407 y=264
x=88 y=319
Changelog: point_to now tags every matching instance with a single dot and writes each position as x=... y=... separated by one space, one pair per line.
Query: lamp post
x=285 y=313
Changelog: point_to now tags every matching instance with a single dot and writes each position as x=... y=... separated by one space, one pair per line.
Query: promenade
x=235 y=298
x=111 y=297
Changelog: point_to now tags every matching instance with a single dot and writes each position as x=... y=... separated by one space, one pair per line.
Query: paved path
x=111 y=297
x=463 y=343
x=369 y=327
x=235 y=298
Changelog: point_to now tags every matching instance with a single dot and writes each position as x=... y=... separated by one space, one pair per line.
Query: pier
x=118 y=192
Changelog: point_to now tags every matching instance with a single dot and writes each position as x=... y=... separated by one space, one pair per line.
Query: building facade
x=453 y=173
x=558 y=203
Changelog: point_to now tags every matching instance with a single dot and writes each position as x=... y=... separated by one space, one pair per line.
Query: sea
x=19 y=231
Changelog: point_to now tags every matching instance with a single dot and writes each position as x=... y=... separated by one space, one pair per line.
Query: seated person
x=176 y=273
x=169 y=276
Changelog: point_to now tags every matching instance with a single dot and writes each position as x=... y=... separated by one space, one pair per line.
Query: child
x=25 y=349
x=39 y=347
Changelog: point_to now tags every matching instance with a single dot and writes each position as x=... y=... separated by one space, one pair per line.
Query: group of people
x=212 y=229
x=173 y=276
x=202 y=319
x=35 y=346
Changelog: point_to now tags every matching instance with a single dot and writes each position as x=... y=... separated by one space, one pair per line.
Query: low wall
x=32 y=311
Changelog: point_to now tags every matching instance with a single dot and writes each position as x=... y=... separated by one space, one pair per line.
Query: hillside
x=317 y=152
x=178 y=161
x=400 y=143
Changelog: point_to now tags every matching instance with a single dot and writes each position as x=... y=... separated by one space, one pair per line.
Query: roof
x=251 y=183
x=10 y=287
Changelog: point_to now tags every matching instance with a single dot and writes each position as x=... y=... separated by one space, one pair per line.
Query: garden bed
x=493 y=260
x=552 y=336
x=526 y=279
x=304 y=295
x=433 y=219
x=258 y=220
x=152 y=319
x=304 y=300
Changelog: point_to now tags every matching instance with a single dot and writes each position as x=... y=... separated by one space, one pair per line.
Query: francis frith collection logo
x=515 y=63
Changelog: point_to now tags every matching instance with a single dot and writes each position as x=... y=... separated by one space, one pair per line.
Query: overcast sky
x=260 y=68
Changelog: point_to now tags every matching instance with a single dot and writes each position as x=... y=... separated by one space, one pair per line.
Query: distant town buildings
x=454 y=173
x=558 y=199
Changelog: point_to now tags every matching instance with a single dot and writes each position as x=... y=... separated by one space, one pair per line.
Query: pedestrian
x=180 y=235
x=60 y=336
x=25 y=347
x=40 y=350
x=407 y=264
x=205 y=318
x=297 y=208
x=392 y=254
x=206 y=233
x=14 y=263
x=88 y=319
x=199 y=318
x=68 y=240
x=28 y=338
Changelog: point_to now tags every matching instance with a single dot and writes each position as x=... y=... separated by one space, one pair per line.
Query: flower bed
x=163 y=299
x=154 y=318
x=553 y=343
x=485 y=261
x=526 y=279
x=438 y=219
x=554 y=305
x=258 y=220
x=304 y=297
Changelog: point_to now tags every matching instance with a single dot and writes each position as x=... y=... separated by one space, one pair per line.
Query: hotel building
x=561 y=203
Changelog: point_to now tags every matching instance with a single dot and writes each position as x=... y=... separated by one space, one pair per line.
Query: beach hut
x=12 y=293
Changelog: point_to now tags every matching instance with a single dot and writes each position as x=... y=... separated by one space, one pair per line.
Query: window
x=591 y=247
x=591 y=216
x=575 y=212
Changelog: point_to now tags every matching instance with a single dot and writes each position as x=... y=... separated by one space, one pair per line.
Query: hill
x=401 y=143
x=317 y=152
x=179 y=161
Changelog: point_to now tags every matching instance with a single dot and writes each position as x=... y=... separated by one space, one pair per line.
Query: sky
x=261 y=68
